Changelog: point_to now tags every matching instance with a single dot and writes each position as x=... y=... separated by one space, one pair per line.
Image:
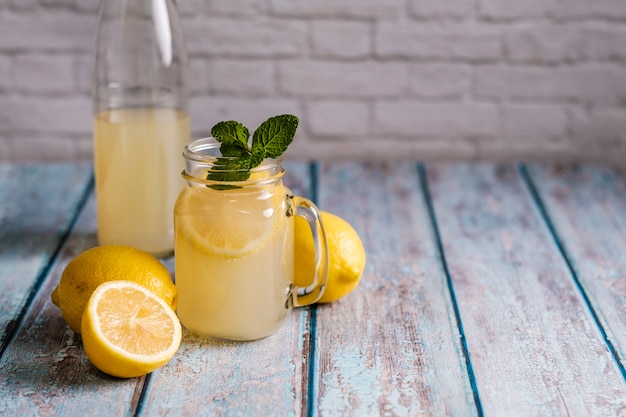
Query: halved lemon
x=128 y=331
x=230 y=223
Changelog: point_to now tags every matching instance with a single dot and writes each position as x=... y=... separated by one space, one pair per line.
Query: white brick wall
x=423 y=79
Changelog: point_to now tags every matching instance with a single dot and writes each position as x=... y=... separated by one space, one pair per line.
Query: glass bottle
x=141 y=125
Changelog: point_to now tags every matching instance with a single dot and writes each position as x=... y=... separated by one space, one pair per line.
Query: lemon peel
x=101 y=264
x=346 y=256
x=128 y=331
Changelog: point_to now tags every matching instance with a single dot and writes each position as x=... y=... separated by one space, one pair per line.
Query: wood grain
x=587 y=206
x=44 y=371
x=392 y=346
x=37 y=204
x=533 y=345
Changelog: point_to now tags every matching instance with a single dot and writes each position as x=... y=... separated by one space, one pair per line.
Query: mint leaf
x=229 y=169
x=232 y=133
x=270 y=140
x=230 y=150
x=274 y=135
x=255 y=160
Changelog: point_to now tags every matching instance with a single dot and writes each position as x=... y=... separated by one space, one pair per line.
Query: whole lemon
x=101 y=264
x=346 y=256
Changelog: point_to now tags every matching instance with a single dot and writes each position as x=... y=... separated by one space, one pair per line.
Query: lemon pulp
x=128 y=331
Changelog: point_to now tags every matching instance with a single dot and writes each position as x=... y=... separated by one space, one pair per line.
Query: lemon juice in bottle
x=137 y=167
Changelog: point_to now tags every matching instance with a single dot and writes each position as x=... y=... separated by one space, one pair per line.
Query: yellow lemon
x=229 y=223
x=101 y=264
x=346 y=256
x=128 y=331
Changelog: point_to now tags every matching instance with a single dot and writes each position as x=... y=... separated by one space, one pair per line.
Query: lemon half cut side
x=128 y=331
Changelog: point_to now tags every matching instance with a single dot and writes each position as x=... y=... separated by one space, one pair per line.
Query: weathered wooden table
x=490 y=290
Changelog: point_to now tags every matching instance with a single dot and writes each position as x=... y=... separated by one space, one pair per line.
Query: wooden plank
x=587 y=206
x=533 y=346
x=37 y=205
x=267 y=376
x=391 y=347
x=45 y=371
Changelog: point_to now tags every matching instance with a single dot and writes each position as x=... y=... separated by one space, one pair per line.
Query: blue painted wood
x=37 y=205
x=534 y=348
x=392 y=346
x=44 y=371
x=587 y=207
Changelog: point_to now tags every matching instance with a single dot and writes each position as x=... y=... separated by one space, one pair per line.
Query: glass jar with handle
x=234 y=248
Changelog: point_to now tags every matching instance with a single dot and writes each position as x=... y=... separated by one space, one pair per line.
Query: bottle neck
x=140 y=56
x=205 y=165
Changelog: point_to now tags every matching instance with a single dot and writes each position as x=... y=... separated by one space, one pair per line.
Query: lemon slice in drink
x=230 y=223
x=128 y=331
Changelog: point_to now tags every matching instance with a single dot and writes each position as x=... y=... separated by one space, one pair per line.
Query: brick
x=549 y=44
x=83 y=148
x=23 y=5
x=604 y=43
x=529 y=151
x=596 y=84
x=199 y=76
x=380 y=148
x=248 y=78
x=498 y=9
x=63 y=4
x=206 y=111
x=230 y=38
x=534 y=122
x=44 y=73
x=501 y=82
x=425 y=41
x=84 y=73
x=439 y=80
x=6 y=74
x=603 y=9
x=190 y=8
x=599 y=125
x=338 y=9
x=237 y=7
x=342 y=79
x=42 y=148
x=427 y=9
x=93 y=5
x=6 y=148
x=48 y=115
x=337 y=118
x=49 y=31
x=341 y=39
x=586 y=84
x=432 y=120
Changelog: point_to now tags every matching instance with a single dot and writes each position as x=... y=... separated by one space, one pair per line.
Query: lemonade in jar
x=234 y=252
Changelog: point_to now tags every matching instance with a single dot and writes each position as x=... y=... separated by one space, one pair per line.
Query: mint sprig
x=270 y=140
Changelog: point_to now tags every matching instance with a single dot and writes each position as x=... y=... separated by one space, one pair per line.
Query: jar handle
x=302 y=296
